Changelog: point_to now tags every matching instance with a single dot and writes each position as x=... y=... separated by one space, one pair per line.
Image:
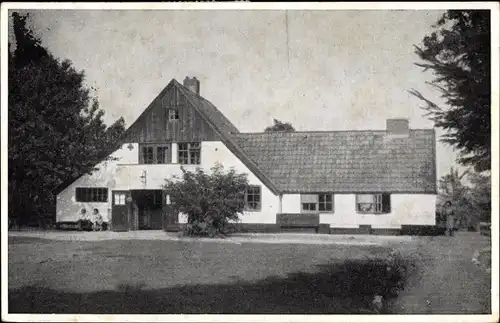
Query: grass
x=194 y=277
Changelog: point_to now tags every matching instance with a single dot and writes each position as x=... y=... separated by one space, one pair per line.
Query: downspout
x=280 y=205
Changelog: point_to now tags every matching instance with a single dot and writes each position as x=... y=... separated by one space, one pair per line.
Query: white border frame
x=493 y=6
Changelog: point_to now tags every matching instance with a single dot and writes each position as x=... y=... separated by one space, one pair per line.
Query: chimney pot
x=397 y=127
x=193 y=84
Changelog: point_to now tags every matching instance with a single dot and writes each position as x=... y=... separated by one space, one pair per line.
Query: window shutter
x=78 y=194
x=365 y=198
x=141 y=155
x=386 y=203
x=309 y=198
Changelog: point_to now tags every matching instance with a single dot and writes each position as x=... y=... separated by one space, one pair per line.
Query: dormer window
x=173 y=114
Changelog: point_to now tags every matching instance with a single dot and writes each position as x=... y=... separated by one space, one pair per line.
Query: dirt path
x=446 y=281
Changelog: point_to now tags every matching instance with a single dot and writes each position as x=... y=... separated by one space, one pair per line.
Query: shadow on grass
x=337 y=288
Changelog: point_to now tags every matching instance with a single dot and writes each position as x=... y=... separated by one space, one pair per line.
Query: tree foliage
x=279 y=126
x=458 y=54
x=210 y=201
x=480 y=196
x=472 y=202
x=56 y=131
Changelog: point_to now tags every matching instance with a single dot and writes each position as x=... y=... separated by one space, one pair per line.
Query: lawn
x=138 y=276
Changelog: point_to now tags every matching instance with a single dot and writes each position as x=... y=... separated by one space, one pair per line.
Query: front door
x=120 y=211
x=170 y=218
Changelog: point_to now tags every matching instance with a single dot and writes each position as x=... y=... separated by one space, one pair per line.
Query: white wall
x=213 y=152
x=125 y=174
x=67 y=209
x=290 y=203
x=415 y=209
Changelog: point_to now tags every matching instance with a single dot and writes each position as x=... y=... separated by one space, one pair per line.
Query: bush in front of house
x=210 y=200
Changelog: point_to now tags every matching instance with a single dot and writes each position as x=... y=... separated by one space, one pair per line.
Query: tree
x=209 y=200
x=279 y=126
x=472 y=202
x=458 y=54
x=56 y=132
x=480 y=195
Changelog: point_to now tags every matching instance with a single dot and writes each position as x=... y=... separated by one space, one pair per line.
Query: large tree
x=56 y=131
x=458 y=54
x=280 y=126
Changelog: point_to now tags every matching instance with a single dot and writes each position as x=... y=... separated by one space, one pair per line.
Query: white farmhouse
x=376 y=181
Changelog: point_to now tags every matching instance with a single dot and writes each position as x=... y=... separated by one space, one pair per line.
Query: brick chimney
x=192 y=84
x=398 y=127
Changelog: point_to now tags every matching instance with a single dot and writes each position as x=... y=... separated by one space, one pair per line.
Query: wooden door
x=120 y=211
x=170 y=218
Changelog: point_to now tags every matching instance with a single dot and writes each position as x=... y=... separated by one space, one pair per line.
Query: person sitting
x=98 y=221
x=84 y=220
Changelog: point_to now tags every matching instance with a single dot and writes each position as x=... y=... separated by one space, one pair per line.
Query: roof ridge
x=322 y=131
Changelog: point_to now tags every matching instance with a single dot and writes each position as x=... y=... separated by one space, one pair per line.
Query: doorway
x=148 y=213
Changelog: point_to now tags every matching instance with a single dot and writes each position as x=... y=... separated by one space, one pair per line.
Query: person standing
x=449 y=212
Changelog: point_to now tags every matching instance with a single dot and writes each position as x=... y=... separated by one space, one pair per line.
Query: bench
x=301 y=222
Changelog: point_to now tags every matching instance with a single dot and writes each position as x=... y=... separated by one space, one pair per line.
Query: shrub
x=210 y=201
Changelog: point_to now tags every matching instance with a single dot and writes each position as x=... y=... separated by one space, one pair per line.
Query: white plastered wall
x=125 y=174
x=406 y=209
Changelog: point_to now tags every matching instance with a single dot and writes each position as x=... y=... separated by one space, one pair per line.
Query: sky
x=319 y=70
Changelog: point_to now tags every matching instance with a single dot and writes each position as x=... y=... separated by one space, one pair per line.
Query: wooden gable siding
x=154 y=126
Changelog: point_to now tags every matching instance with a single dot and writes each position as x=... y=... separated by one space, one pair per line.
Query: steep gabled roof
x=226 y=130
x=208 y=110
x=344 y=161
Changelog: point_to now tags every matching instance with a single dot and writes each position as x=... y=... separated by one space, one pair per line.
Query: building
x=326 y=181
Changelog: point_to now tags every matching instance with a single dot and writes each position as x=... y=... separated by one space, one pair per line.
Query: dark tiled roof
x=344 y=161
x=208 y=110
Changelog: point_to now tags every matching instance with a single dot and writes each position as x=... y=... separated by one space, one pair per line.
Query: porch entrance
x=148 y=208
x=142 y=210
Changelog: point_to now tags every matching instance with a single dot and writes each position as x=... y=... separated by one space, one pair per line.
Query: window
x=317 y=202
x=189 y=153
x=154 y=154
x=91 y=194
x=373 y=203
x=252 y=198
x=119 y=198
x=309 y=206
x=325 y=202
x=173 y=114
x=162 y=154
x=147 y=155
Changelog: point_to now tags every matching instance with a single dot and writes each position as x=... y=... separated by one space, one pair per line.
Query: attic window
x=173 y=114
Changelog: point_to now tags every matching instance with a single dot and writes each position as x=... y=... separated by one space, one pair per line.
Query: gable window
x=253 y=198
x=189 y=153
x=162 y=154
x=173 y=114
x=147 y=155
x=379 y=203
x=317 y=202
x=91 y=194
x=154 y=154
